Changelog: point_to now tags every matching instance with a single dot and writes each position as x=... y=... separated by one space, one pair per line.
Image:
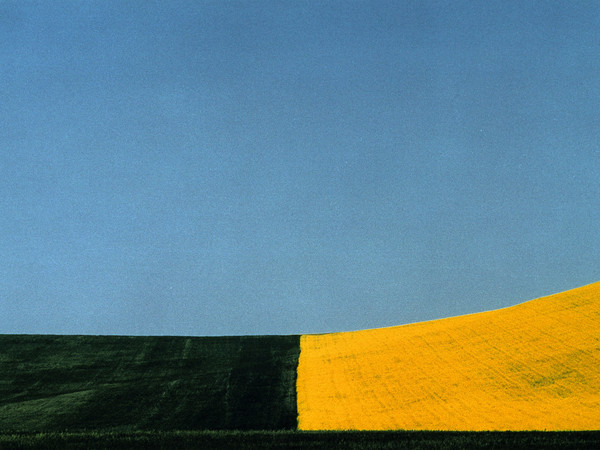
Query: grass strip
x=285 y=439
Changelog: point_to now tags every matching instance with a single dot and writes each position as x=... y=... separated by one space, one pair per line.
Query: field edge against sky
x=532 y=366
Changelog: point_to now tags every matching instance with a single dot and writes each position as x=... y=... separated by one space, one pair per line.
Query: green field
x=57 y=383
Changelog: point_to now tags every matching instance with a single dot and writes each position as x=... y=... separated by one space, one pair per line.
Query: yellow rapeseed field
x=534 y=366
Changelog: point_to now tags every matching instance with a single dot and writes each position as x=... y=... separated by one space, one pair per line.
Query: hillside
x=155 y=383
x=534 y=366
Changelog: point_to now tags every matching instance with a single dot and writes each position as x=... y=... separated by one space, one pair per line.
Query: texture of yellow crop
x=534 y=366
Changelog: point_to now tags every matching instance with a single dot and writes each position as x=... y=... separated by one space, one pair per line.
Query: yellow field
x=534 y=366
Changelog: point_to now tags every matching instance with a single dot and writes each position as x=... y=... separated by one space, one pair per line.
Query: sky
x=284 y=167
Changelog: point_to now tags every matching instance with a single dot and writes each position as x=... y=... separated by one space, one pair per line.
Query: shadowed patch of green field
x=56 y=383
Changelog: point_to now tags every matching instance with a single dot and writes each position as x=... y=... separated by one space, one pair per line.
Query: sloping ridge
x=534 y=366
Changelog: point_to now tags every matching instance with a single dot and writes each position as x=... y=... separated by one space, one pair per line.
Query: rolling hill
x=533 y=366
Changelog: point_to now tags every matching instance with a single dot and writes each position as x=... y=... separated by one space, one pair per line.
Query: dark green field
x=57 y=383
x=72 y=392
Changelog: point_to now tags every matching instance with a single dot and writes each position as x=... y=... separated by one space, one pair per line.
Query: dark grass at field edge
x=306 y=440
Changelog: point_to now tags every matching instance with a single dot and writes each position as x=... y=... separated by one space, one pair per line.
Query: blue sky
x=282 y=167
